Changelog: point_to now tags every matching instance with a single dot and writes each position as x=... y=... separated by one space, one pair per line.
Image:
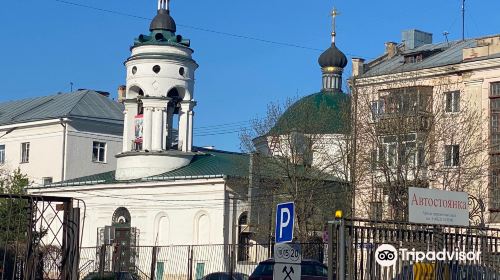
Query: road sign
x=287 y=253
x=286 y=271
x=285 y=213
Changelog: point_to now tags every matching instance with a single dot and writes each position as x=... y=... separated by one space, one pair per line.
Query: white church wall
x=183 y=212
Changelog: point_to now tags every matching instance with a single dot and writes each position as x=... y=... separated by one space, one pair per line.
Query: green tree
x=13 y=211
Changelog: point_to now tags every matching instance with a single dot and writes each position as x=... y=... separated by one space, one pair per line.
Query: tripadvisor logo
x=387 y=255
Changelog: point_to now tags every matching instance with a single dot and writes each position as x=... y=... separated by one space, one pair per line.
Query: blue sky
x=48 y=44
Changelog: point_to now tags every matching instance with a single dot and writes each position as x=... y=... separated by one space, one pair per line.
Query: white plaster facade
x=472 y=76
x=55 y=144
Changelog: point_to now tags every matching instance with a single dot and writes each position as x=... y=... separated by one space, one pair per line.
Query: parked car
x=225 y=276
x=311 y=270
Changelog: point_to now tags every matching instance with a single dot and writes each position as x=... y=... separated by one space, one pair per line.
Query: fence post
x=330 y=251
x=153 y=262
x=341 y=249
x=190 y=263
x=102 y=260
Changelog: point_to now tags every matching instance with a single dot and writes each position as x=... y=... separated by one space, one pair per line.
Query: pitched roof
x=441 y=54
x=82 y=103
x=206 y=164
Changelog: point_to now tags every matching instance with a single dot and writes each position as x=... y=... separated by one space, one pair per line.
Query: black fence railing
x=411 y=242
x=189 y=262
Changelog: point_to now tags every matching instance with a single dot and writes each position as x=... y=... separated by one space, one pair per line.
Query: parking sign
x=285 y=222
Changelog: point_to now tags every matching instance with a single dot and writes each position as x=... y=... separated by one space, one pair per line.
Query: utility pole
x=463 y=20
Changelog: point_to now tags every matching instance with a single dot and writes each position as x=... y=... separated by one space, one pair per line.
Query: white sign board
x=287 y=259
x=287 y=253
x=286 y=271
x=431 y=206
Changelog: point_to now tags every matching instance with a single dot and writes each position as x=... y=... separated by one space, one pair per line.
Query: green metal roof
x=82 y=103
x=207 y=164
x=318 y=113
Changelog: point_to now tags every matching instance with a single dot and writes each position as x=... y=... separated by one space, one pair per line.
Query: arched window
x=162 y=228
x=202 y=222
x=121 y=217
x=243 y=238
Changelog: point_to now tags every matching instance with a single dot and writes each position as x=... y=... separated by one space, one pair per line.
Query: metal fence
x=38 y=237
x=363 y=238
x=190 y=262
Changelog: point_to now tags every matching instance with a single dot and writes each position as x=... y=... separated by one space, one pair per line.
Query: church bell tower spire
x=159 y=104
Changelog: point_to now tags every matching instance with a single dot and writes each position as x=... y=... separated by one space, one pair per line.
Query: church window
x=99 y=151
x=452 y=101
x=134 y=70
x=2 y=154
x=25 y=152
x=203 y=229
x=181 y=71
x=156 y=69
x=243 y=238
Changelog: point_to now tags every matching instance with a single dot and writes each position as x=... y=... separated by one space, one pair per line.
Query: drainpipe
x=65 y=132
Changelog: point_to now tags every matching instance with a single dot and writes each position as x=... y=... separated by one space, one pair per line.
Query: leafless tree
x=417 y=132
x=301 y=154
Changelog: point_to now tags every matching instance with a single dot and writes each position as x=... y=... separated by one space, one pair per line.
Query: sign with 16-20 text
x=430 y=206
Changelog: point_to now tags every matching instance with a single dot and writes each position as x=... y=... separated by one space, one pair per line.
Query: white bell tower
x=158 y=116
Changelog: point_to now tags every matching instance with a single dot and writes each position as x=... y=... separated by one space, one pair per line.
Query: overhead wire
x=203 y=29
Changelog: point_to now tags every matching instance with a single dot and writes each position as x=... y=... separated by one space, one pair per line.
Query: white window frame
x=25 y=152
x=101 y=150
x=450 y=160
x=377 y=109
x=452 y=101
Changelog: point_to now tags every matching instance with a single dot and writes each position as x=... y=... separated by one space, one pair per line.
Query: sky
x=48 y=44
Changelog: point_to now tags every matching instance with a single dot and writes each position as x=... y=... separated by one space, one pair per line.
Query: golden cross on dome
x=335 y=13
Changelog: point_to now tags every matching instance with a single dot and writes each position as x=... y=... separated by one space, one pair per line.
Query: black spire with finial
x=163 y=20
x=332 y=62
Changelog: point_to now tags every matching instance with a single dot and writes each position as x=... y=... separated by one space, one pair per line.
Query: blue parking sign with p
x=285 y=213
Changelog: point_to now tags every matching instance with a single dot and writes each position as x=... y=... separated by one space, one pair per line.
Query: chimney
x=414 y=38
x=122 y=93
x=391 y=49
x=358 y=66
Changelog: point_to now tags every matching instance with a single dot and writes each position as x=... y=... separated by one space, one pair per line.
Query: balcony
x=402 y=124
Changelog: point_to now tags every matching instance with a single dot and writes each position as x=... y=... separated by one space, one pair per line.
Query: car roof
x=304 y=261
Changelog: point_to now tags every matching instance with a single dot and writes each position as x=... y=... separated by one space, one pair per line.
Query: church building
x=164 y=191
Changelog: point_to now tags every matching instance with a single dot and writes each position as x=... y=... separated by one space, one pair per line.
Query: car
x=311 y=270
x=225 y=276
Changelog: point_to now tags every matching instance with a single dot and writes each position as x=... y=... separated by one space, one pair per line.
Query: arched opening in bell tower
x=137 y=93
x=173 y=113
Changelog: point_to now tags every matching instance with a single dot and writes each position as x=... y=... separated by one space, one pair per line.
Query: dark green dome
x=318 y=113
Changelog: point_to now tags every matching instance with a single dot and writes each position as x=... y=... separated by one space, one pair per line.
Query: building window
x=47 y=181
x=2 y=154
x=377 y=107
x=451 y=155
x=25 y=152
x=99 y=152
x=452 y=102
x=495 y=89
x=376 y=211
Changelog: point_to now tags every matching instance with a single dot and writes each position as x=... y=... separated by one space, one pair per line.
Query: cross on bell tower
x=163 y=5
